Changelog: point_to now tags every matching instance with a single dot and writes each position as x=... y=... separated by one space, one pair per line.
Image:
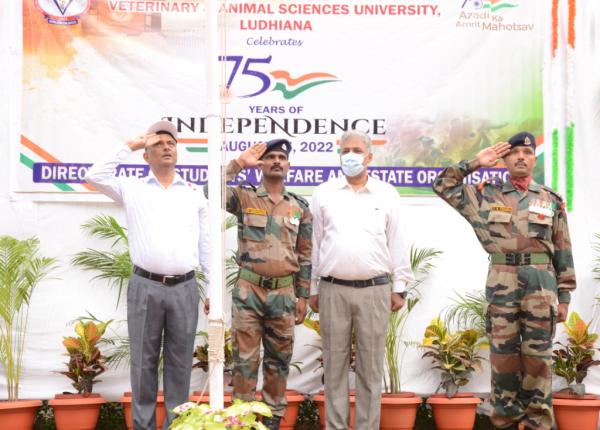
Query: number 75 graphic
x=289 y=87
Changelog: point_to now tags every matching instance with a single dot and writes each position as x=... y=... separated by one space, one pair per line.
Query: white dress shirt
x=167 y=227
x=356 y=234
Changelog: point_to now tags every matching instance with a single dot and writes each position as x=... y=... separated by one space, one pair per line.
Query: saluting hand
x=251 y=156
x=300 y=310
x=143 y=141
x=489 y=157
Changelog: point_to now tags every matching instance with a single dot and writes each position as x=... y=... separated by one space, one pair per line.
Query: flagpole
x=216 y=324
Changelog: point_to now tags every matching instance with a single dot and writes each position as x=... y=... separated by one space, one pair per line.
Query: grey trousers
x=366 y=311
x=167 y=315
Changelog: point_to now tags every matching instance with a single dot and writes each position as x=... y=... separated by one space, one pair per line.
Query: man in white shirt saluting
x=168 y=237
x=360 y=271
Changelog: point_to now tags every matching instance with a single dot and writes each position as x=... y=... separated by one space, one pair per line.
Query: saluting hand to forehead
x=489 y=157
x=143 y=141
x=251 y=156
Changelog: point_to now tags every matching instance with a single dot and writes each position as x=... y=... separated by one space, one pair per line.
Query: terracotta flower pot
x=294 y=399
x=161 y=411
x=76 y=412
x=18 y=415
x=198 y=397
x=457 y=413
x=399 y=411
x=320 y=400
x=575 y=412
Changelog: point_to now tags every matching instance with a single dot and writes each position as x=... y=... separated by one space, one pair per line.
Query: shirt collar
x=369 y=186
x=262 y=192
x=151 y=178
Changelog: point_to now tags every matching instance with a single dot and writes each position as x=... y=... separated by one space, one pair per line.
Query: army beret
x=281 y=145
x=522 y=139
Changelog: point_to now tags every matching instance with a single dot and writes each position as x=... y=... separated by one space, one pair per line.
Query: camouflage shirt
x=274 y=239
x=508 y=221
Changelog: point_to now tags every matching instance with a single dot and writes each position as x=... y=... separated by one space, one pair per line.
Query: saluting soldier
x=274 y=250
x=522 y=225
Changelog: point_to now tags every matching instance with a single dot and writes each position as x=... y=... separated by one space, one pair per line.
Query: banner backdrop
x=432 y=81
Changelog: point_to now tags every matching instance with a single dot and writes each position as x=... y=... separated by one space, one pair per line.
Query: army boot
x=272 y=423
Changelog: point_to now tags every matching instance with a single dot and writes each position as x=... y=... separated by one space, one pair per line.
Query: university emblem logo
x=63 y=12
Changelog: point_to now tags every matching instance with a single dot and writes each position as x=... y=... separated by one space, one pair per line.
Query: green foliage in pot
x=239 y=416
x=455 y=355
x=86 y=361
x=21 y=269
x=113 y=265
x=572 y=360
x=201 y=353
x=421 y=261
x=467 y=311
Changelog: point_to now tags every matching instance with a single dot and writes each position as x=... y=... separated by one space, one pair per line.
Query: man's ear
x=145 y=155
x=369 y=158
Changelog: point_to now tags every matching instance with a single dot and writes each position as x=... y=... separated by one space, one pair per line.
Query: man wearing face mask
x=274 y=247
x=360 y=272
x=522 y=225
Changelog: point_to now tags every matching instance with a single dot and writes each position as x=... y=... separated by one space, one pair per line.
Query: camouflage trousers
x=521 y=318
x=268 y=316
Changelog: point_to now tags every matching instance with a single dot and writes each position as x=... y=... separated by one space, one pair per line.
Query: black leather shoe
x=513 y=426
x=272 y=423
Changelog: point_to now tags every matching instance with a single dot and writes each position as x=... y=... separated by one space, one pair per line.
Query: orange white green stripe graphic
x=47 y=157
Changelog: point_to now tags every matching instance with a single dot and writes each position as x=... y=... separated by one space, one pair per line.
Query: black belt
x=169 y=280
x=378 y=280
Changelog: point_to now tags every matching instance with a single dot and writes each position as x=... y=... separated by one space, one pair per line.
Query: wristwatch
x=403 y=294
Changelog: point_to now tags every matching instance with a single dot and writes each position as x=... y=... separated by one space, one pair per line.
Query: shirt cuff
x=399 y=286
x=564 y=297
x=314 y=287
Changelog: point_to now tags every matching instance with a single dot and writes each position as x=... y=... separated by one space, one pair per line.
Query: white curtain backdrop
x=428 y=223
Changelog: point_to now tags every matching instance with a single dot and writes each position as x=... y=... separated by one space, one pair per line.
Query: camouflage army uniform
x=522 y=298
x=274 y=241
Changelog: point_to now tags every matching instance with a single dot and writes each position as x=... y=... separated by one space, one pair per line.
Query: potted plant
x=240 y=415
x=21 y=269
x=80 y=411
x=573 y=408
x=399 y=409
x=456 y=356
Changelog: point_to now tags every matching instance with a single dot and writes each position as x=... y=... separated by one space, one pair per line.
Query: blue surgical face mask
x=352 y=164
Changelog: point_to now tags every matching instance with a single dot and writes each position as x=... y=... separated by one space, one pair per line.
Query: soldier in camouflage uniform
x=274 y=249
x=523 y=226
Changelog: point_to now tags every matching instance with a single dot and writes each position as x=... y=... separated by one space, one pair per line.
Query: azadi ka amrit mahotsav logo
x=491 y=5
x=278 y=80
